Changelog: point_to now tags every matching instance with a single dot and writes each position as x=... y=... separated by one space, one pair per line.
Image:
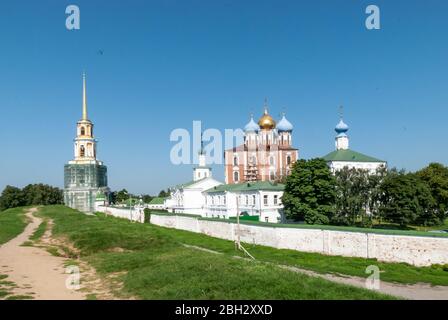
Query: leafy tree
x=310 y=192
x=164 y=194
x=120 y=196
x=11 y=197
x=147 y=198
x=407 y=199
x=42 y=194
x=352 y=196
x=435 y=175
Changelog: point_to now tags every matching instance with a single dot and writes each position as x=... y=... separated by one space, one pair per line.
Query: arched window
x=272 y=175
x=82 y=151
x=235 y=160
x=236 y=176
x=288 y=160
x=271 y=160
x=83 y=131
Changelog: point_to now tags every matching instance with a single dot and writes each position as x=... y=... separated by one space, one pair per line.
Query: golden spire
x=84 y=97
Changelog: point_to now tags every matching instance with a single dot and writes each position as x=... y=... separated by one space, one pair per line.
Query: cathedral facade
x=267 y=153
x=85 y=177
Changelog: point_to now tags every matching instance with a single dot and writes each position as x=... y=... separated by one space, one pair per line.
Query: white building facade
x=260 y=199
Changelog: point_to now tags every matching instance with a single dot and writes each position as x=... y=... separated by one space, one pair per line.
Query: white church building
x=207 y=197
x=343 y=156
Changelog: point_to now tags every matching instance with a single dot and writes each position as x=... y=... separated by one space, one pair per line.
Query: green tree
x=42 y=194
x=352 y=196
x=310 y=192
x=164 y=194
x=435 y=175
x=406 y=199
x=147 y=198
x=120 y=196
x=11 y=197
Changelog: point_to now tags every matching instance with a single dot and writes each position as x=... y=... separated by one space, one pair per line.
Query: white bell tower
x=202 y=171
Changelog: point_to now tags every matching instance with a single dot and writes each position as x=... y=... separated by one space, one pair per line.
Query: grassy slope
x=159 y=267
x=12 y=223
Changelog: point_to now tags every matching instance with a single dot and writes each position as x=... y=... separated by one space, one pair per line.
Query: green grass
x=39 y=231
x=12 y=223
x=20 y=297
x=391 y=272
x=5 y=286
x=152 y=263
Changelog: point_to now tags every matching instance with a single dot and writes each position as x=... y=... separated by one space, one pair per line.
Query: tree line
x=353 y=197
x=32 y=194
x=123 y=196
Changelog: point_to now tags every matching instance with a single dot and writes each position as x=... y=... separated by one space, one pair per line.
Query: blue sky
x=167 y=63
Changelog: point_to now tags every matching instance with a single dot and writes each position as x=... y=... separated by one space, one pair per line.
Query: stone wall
x=136 y=214
x=418 y=251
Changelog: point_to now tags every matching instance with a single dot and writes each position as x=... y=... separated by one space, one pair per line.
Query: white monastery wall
x=418 y=251
x=134 y=215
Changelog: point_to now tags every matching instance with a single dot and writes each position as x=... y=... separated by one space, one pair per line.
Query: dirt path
x=35 y=271
x=418 y=291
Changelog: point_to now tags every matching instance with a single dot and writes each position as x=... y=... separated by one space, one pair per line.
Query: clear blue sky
x=167 y=63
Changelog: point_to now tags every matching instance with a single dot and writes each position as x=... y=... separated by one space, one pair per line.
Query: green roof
x=185 y=185
x=157 y=200
x=248 y=186
x=349 y=155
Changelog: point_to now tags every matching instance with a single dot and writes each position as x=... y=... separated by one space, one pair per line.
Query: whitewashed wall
x=136 y=214
x=418 y=251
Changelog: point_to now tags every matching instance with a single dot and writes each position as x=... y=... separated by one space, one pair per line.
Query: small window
x=235 y=161
x=83 y=131
x=272 y=176
x=271 y=161
x=265 y=200
x=82 y=151
x=236 y=176
x=288 y=160
x=275 y=200
x=253 y=199
x=266 y=219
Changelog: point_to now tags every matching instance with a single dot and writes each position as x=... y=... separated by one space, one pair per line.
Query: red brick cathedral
x=267 y=153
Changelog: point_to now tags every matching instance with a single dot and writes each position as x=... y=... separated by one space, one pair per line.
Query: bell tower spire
x=84 y=97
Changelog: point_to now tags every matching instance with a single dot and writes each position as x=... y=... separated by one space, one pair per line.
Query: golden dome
x=266 y=121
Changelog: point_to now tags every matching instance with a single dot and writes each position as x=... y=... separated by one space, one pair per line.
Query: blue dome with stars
x=252 y=126
x=284 y=125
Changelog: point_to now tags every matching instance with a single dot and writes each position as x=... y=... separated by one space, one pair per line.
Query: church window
x=272 y=175
x=271 y=160
x=236 y=176
x=83 y=131
x=235 y=161
x=82 y=151
x=288 y=160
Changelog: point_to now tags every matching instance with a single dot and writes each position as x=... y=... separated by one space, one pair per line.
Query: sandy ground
x=35 y=271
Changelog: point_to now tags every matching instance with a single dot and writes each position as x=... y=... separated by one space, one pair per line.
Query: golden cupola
x=266 y=122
